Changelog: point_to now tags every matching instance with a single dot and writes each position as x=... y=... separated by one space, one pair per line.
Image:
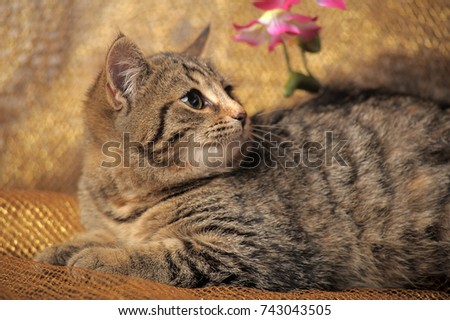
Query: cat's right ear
x=196 y=48
x=126 y=71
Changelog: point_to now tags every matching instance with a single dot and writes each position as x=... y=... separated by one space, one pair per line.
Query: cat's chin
x=220 y=157
x=222 y=153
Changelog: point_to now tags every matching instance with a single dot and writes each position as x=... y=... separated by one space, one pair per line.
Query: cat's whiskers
x=265 y=112
x=263 y=139
x=273 y=126
x=224 y=131
x=267 y=132
x=278 y=136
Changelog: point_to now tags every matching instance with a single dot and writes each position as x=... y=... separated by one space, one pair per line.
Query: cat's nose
x=242 y=117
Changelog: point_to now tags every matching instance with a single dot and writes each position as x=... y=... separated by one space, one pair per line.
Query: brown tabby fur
x=374 y=214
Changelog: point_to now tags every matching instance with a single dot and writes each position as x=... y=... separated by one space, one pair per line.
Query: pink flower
x=275 y=24
x=340 y=4
x=274 y=4
x=286 y=4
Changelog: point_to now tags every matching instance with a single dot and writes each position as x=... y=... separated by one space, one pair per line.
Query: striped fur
x=375 y=214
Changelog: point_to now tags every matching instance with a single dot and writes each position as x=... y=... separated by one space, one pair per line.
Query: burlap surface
x=31 y=220
x=51 y=51
x=24 y=279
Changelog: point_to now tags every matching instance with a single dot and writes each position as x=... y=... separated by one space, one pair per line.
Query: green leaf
x=298 y=80
x=312 y=45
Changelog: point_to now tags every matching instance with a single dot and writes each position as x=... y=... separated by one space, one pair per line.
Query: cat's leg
x=61 y=253
x=169 y=261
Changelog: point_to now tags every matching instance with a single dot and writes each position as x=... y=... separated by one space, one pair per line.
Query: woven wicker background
x=51 y=52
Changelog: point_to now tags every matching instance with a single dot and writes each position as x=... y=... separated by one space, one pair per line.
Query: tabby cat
x=351 y=189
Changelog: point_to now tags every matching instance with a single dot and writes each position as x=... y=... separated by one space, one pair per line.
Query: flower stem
x=305 y=62
x=286 y=56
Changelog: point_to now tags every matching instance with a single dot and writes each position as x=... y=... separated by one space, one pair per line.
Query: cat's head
x=174 y=115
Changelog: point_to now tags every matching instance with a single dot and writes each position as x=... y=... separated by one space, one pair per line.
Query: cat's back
x=354 y=113
x=372 y=154
x=367 y=180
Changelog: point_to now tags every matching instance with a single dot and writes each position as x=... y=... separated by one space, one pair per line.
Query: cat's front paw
x=57 y=255
x=109 y=260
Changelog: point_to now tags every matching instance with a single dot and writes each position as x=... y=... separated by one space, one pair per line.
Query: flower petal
x=274 y=4
x=248 y=25
x=307 y=26
x=309 y=31
x=299 y=17
x=253 y=35
x=277 y=27
x=340 y=4
x=278 y=22
x=273 y=42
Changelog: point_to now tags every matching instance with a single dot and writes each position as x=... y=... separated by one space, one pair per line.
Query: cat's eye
x=194 y=99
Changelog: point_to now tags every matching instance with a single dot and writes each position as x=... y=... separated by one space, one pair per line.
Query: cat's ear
x=126 y=70
x=196 y=48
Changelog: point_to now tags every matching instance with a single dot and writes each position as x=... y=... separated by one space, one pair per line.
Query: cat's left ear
x=126 y=71
x=196 y=48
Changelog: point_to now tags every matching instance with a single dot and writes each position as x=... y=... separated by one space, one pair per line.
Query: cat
x=350 y=189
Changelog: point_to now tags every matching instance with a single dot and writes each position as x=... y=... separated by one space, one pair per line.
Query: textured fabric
x=24 y=279
x=30 y=220
x=51 y=52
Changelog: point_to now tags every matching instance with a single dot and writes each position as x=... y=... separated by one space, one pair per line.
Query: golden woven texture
x=51 y=51
x=25 y=279
x=31 y=220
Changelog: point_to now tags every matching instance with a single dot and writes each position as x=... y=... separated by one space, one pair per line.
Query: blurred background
x=51 y=52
